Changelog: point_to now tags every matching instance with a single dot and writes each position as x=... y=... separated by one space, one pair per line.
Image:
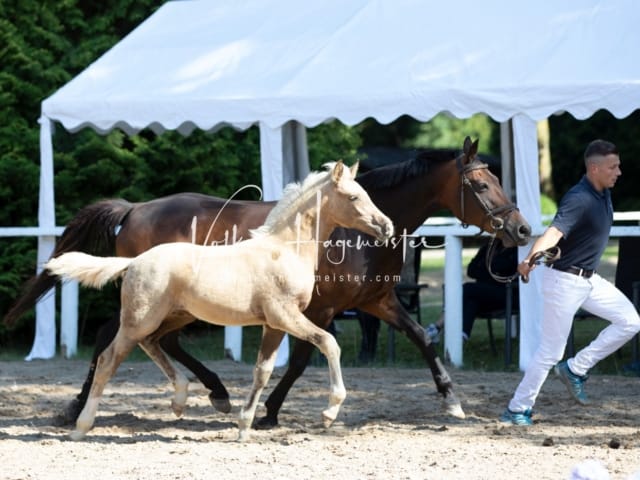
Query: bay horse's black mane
x=394 y=174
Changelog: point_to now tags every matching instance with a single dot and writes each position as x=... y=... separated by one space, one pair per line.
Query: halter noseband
x=497 y=222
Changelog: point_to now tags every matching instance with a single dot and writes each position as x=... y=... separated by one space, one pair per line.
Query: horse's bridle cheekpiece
x=497 y=222
x=495 y=214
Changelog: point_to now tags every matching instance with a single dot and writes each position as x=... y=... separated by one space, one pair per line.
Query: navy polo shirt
x=584 y=217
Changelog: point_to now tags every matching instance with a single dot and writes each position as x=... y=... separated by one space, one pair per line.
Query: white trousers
x=563 y=294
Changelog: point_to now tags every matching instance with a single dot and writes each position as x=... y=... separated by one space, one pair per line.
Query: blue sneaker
x=522 y=419
x=573 y=382
x=433 y=332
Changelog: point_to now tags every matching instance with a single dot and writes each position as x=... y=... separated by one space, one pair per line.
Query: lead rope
x=546 y=257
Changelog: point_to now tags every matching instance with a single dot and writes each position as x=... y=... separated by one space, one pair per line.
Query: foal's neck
x=308 y=230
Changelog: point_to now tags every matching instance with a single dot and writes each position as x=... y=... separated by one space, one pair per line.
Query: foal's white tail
x=88 y=270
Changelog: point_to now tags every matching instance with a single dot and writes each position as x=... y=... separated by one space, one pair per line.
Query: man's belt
x=581 y=272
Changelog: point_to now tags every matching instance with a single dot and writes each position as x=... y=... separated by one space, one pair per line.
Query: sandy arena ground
x=390 y=427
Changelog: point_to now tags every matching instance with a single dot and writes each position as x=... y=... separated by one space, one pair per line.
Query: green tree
x=329 y=142
x=442 y=131
x=42 y=46
x=570 y=136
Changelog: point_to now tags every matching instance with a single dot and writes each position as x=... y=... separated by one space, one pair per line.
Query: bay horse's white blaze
x=266 y=280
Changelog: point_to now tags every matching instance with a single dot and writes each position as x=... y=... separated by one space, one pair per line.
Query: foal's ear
x=354 y=169
x=338 y=170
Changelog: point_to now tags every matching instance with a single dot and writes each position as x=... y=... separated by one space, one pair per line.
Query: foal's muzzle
x=385 y=228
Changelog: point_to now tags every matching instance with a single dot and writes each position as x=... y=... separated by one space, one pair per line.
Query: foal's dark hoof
x=221 y=404
x=69 y=415
x=265 y=423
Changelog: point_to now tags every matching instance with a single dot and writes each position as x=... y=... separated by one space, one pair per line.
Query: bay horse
x=266 y=280
x=408 y=192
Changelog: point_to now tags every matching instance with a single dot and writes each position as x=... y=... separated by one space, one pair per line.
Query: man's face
x=606 y=171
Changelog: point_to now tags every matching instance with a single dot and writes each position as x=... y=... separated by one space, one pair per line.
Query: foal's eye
x=353 y=198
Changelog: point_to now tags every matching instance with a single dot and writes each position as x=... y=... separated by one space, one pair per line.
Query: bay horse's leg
x=167 y=335
x=298 y=361
x=107 y=363
x=106 y=334
x=219 y=396
x=180 y=382
x=291 y=320
x=265 y=362
x=391 y=311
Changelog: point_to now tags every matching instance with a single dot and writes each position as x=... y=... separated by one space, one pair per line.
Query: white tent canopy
x=207 y=64
x=211 y=63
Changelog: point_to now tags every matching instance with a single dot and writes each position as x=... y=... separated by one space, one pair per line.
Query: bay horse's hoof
x=265 y=423
x=452 y=406
x=220 y=404
x=69 y=415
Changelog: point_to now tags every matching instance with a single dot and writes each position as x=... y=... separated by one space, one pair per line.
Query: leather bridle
x=495 y=214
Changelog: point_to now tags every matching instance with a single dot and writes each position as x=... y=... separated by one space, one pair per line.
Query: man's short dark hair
x=600 y=147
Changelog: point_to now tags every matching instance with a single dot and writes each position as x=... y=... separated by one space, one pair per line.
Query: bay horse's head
x=478 y=199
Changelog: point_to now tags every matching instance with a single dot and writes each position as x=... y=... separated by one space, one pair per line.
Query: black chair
x=408 y=292
x=506 y=314
x=511 y=309
x=409 y=288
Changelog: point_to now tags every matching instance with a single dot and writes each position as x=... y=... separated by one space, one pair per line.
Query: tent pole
x=525 y=142
x=44 y=343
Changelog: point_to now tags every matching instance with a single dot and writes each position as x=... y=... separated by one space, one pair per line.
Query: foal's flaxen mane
x=397 y=173
x=294 y=195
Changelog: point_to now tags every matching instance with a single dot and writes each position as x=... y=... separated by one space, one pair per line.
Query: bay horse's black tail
x=92 y=231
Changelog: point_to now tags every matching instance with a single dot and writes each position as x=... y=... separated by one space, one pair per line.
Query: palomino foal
x=267 y=280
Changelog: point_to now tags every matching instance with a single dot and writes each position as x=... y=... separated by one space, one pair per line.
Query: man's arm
x=548 y=239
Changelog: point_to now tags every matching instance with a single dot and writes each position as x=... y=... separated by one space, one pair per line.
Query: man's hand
x=524 y=268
